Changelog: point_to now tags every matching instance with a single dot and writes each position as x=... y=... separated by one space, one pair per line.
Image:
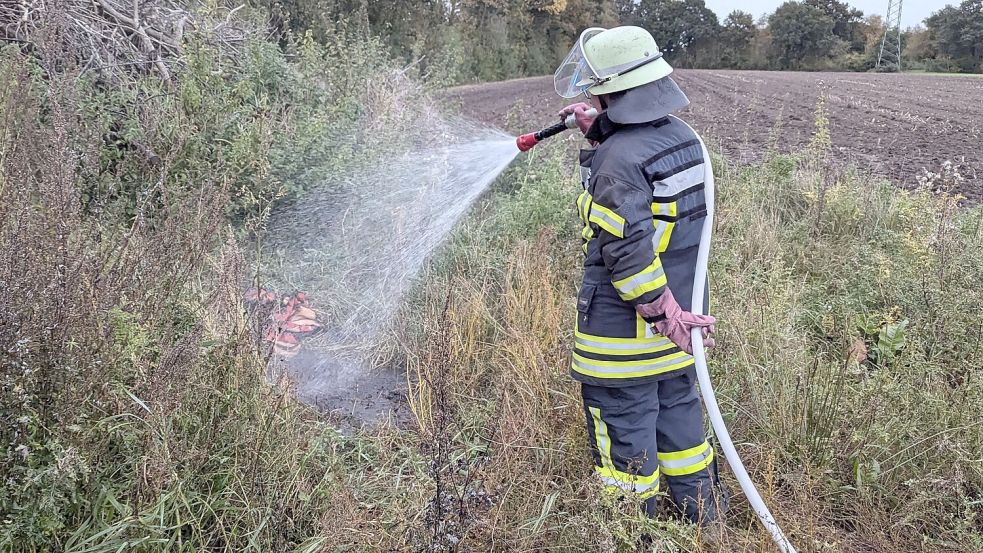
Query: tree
x=958 y=33
x=679 y=26
x=736 y=35
x=846 y=21
x=799 y=31
x=738 y=29
x=918 y=45
x=625 y=10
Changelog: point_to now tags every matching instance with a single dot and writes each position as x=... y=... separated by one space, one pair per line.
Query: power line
x=890 y=55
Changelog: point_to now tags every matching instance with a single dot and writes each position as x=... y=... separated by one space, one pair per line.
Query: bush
x=137 y=412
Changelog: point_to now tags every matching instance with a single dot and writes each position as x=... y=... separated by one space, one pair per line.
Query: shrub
x=136 y=412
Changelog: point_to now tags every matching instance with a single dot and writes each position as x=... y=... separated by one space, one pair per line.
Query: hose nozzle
x=528 y=140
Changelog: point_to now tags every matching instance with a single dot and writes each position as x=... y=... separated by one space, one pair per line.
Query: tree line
x=480 y=40
x=810 y=35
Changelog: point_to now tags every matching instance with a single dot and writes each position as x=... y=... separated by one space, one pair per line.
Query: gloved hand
x=584 y=121
x=668 y=319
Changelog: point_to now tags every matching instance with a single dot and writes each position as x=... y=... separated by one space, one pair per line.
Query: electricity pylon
x=891 y=43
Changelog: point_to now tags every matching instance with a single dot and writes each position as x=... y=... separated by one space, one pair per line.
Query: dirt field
x=894 y=125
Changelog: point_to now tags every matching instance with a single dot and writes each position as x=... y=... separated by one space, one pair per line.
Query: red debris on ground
x=291 y=319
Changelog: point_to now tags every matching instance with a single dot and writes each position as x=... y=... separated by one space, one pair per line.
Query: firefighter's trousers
x=639 y=433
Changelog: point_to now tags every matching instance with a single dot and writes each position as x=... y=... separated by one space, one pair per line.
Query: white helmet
x=610 y=60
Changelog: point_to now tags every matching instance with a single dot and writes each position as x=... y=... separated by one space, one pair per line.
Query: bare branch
x=123 y=37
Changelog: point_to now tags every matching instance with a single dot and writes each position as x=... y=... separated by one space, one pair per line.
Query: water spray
x=528 y=140
x=357 y=243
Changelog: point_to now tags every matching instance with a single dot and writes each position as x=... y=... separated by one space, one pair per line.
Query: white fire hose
x=703 y=374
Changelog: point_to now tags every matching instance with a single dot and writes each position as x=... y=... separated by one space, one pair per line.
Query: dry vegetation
x=832 y=367
x=136 y=414
x=116 y=38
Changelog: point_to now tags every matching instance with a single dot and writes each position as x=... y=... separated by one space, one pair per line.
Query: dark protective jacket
x=643 y=209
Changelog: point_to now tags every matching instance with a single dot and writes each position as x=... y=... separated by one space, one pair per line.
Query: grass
x=941 y=73
x=847 y=364
x=138 y=415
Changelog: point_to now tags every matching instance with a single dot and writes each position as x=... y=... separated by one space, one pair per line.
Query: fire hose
x=526 y=142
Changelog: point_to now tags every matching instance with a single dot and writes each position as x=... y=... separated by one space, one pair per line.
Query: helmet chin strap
x=601 y=98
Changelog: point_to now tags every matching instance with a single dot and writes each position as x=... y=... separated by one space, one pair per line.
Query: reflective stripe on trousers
x=688 y=461
x=614 y=479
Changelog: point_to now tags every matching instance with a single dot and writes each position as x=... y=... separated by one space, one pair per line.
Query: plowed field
x=893 y=125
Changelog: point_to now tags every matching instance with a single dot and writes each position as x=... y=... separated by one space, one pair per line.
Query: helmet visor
x=574 y=75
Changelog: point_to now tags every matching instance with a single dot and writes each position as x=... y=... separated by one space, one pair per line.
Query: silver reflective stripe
x=682 y=180
x=639 y=280
x=637 y=486
x=688 y=461
x=614 y=224
x=664 y=209
x=660 y=229
x=586 y=364
x=605 y=345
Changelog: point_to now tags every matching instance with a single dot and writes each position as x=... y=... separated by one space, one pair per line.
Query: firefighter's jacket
x=643 y=208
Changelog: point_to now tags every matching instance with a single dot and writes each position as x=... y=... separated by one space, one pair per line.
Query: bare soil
x=895 y=125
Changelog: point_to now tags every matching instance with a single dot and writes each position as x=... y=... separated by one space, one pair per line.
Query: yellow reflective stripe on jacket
x=583 y=203
x=630 y=369
x=622 y=343
x=607 y=219
x=583 y=208
x=668 y=209
x=650 y=278
x=631 y=346
x=663 y=229
x=688 y=461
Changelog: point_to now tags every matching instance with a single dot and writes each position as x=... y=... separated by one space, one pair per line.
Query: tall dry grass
x=847 y=363
x=137 y=413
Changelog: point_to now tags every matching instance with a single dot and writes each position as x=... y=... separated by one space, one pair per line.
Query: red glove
x=672 y=322
x=584 y=121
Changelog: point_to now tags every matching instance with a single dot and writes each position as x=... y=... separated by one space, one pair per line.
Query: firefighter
x=643 y=208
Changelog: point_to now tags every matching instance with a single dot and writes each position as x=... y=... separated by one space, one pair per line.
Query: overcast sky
x=912 y=14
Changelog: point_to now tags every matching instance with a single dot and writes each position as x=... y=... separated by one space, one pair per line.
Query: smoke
x=354 y=245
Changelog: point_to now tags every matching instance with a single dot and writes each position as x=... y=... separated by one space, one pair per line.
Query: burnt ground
x=895 y=125
x=351 y=398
